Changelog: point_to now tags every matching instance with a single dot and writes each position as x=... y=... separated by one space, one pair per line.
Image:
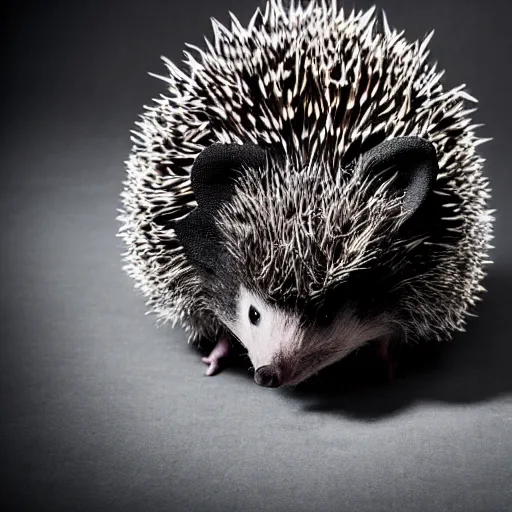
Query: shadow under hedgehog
x=307 y=188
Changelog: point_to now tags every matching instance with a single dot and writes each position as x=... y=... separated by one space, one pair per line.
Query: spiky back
x=323 y=87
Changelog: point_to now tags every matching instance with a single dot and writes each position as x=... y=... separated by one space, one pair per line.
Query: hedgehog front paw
x=388 y=360
x=221 y=350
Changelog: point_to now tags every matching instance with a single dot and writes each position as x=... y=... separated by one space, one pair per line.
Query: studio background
x=102 y=411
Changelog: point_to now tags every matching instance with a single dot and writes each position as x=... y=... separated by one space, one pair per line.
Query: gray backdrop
x=102 y=411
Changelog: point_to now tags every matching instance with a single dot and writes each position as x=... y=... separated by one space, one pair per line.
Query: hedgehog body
x=271 y=181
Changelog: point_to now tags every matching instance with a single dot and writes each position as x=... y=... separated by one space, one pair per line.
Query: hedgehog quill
x=306 y=186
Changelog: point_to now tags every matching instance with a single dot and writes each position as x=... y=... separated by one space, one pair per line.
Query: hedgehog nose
x=266 y=376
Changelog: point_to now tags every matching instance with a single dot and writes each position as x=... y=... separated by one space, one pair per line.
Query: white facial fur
x=279 y=340
x=275 y=332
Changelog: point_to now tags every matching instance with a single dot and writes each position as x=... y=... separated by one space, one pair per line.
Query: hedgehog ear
x=212 y=178
x=414 y=159
x=216 y=167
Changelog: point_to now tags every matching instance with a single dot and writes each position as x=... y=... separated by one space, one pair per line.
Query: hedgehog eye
x=254 y=316
x=326 y=318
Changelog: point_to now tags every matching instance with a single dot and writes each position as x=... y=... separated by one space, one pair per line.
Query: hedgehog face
x=265 y=236
x=286 y=347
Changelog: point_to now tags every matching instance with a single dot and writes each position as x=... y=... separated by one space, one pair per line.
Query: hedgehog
x=305 y=187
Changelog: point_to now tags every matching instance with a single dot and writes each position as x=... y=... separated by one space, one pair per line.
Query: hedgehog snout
x=267 y=376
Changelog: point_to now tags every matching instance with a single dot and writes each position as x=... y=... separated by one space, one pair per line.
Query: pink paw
x=221 y=350
x=390 y=364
